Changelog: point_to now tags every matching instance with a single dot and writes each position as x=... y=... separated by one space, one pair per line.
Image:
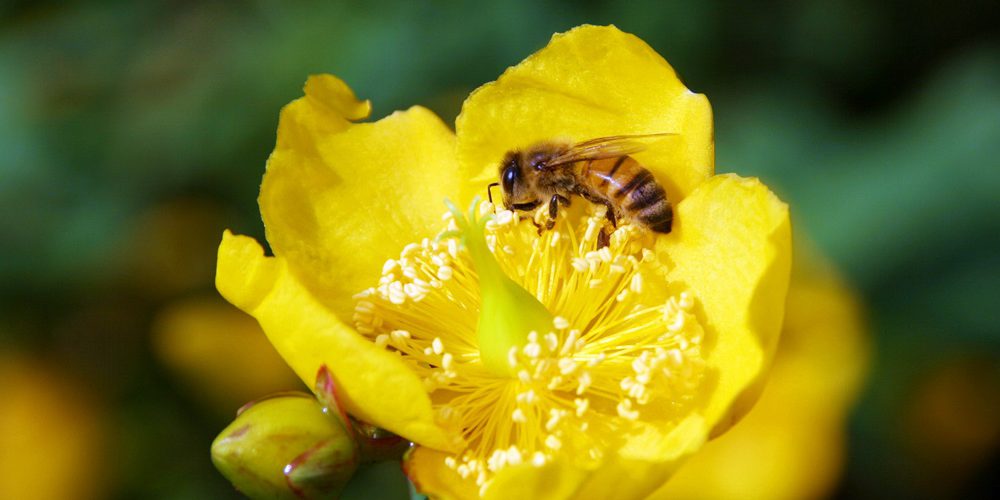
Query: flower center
x=624 y=347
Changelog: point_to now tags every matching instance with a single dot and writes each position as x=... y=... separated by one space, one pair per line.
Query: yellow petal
x=629 y=473
x=219 y=352
x=730 y=246
x=425 y=467
x=593 y=81
x=338 y=198
x=791 y=445
x=375 y=385
x=328 y=107
x=556 y=480
x=646 y=462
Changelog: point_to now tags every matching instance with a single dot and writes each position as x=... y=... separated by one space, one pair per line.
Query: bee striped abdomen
x=632 y=189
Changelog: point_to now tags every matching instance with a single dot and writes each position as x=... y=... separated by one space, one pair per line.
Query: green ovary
x=507 y=312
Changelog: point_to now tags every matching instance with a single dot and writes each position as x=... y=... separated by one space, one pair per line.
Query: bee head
x=512 y=180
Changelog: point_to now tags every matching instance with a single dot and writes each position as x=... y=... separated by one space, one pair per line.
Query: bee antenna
x=489 y=190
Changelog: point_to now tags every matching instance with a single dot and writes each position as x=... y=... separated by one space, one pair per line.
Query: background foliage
x=134 y=132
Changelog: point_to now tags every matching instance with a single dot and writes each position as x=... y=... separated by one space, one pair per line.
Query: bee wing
x=605 y=147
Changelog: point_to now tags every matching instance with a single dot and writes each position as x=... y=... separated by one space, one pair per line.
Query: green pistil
x=507 y=312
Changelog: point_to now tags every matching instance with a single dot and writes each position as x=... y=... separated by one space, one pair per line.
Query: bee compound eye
x=509 y=178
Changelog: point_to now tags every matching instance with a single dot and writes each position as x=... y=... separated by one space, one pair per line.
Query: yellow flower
x=52 y=437
x=219 y=352
x=791 y=445
x=655 y=343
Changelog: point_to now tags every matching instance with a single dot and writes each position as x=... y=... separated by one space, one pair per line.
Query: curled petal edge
x=376 y=386
x=731 y=247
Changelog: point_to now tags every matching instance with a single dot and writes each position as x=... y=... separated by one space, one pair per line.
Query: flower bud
x=286 y=447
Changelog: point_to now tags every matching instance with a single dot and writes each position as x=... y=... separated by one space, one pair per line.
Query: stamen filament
x=476 y=322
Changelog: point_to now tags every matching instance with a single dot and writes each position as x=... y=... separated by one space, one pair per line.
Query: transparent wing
x=605 y=147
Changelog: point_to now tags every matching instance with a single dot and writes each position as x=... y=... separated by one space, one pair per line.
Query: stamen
x=634 y=352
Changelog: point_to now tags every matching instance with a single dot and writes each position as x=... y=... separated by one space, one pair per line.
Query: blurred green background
x=133 y=133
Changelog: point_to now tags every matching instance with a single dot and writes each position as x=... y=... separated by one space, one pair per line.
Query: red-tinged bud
x=286 y=447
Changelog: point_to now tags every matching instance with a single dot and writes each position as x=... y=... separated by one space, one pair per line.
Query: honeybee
x=599 y=170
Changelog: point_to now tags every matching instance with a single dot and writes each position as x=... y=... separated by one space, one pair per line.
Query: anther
x=636 y=285
x=410 y=249
x=677 y=324
x=567 y=366
x=570 y=342
x=396 y=293
x=553 y=421
x=504 y=217
x=552 y=442
x=388 y=266
x=518 y=416
x=513 y=455
x=583 y=383
x=532 y=350
x=551 y=342
x=675 y=357
x=686 y=301
x=410 y=272
x=625 y=410
x=605 y=254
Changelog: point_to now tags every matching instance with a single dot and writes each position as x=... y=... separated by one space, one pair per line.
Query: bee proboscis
x=600 y=170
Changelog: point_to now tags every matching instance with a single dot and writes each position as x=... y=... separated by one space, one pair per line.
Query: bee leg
x=554 y=209
x=603 y=238
x=610 y=214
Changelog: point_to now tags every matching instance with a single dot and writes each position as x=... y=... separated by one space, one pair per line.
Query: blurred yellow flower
x=791 y=445
x=52 y=440
x=654 y=344
x=219 y=353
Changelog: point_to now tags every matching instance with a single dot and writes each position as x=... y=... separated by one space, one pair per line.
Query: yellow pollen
x=624 y=345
